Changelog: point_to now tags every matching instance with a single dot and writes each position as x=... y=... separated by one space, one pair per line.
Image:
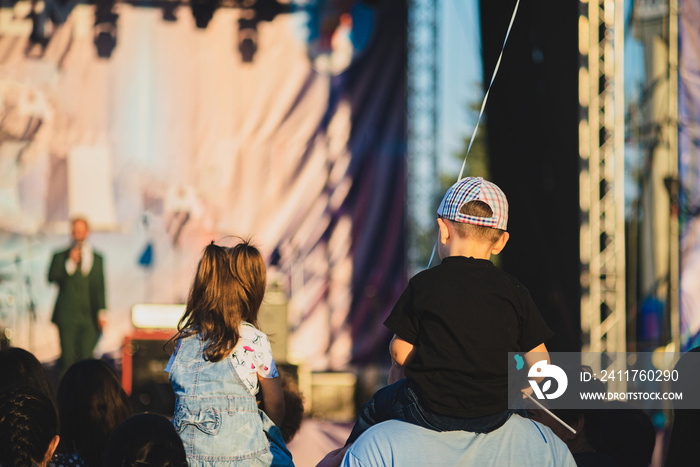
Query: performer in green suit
x=78 y=272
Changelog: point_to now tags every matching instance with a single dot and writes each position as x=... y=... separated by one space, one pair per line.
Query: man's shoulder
x=532 y=430
x=527 y=441
x=534 y=443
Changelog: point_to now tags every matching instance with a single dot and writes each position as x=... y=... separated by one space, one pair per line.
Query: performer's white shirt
x=87 y=257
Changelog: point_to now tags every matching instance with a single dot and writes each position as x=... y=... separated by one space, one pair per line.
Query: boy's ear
x=444 y=230
x=500 y=244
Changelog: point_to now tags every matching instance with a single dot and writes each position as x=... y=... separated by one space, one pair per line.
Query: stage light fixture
x=58 y=10
x=169 y=9
x=252 y=13
x=247 y=34
x=105 y=30
x=203 y=11
x=55 y=10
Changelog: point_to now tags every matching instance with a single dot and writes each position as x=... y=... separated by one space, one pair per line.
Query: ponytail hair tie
x=212 y=242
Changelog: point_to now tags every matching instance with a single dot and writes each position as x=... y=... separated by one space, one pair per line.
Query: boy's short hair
x=476 y=207
x=479 y=209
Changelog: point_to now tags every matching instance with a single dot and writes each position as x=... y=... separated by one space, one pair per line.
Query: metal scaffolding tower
x=601 y=150
x=422 y=129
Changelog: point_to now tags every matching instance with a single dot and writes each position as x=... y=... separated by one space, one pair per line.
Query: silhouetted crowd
x=88 y=421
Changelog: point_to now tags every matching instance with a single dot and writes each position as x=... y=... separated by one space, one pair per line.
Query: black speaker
x=146 y=358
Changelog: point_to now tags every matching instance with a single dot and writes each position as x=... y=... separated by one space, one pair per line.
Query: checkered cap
x=475 y=188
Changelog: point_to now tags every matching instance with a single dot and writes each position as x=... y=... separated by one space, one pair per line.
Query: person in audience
x=28 y=427
x=145 y=439
x=91 y=403
x=683 y=444
x=222 y=360
x=20 y=367
x=519 y=441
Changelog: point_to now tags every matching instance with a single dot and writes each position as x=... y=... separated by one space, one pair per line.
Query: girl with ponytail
x=222 y=361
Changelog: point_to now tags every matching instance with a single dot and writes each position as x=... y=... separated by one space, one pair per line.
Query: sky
x=460 y=78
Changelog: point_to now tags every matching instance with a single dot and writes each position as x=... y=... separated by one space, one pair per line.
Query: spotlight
x=248 y=46
x=203 y=11
x=105 y=39
x=38 y=34
x=55 y=10
x=58 y=10
x=105 y=30
x=248 y=34
x=252 y=13
x=169 y=8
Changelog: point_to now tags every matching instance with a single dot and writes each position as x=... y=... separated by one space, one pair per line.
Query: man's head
x=80 y=230
x=475 y=210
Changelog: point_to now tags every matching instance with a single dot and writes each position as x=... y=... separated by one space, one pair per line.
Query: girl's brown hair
x=228 y=288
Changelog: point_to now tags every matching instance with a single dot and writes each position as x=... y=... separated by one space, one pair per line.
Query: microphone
x=79 y=263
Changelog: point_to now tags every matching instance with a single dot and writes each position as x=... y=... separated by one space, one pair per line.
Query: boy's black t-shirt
x=463 y=317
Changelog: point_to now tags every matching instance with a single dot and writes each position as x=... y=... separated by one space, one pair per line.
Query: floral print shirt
x=252 y=356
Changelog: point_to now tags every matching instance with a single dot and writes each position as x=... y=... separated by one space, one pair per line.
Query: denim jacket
x=217 y=418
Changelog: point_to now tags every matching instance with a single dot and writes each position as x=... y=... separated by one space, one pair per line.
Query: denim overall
x=215 y=415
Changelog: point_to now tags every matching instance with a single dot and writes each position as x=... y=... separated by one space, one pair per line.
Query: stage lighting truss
x=253 y=12
x=601 y=151
x=423 y=183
